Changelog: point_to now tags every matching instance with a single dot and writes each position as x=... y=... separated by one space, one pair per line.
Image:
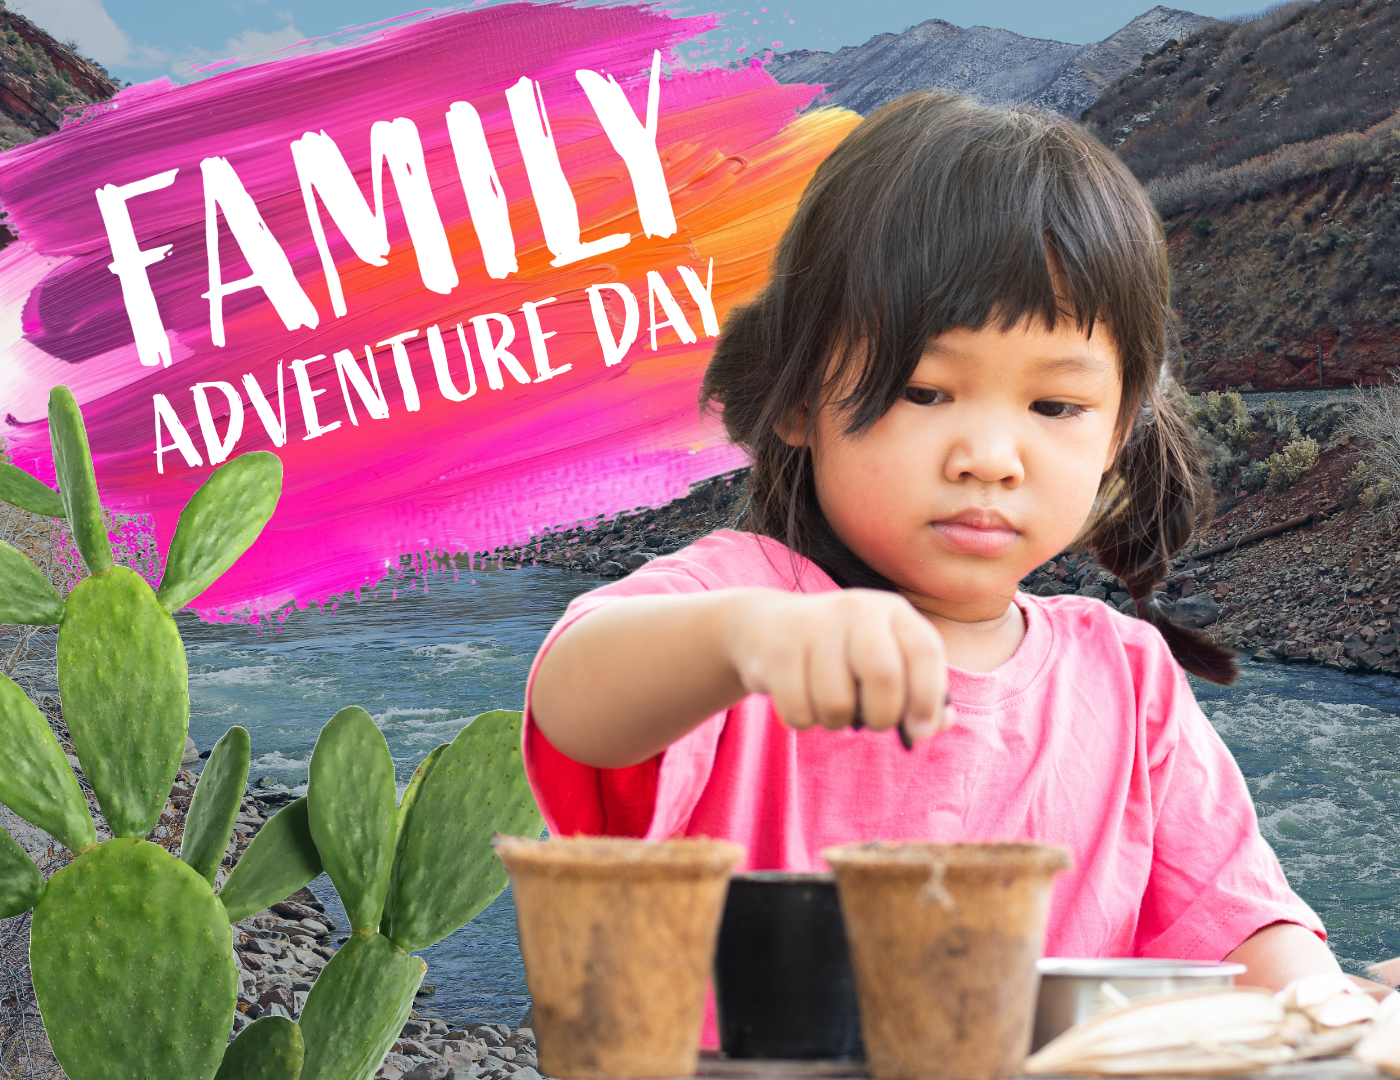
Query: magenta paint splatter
x=401 y=453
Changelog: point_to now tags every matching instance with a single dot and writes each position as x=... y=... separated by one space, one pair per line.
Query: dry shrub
x=1375 y=422
x=1252 y=179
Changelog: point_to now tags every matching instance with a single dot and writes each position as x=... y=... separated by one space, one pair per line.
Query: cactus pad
x=77 y=483
x=25 y=594
x=357 y=1007
x=20 y=489
x=217 y=797
x=444 y=876
x=36 y=781
x=280 y=860
x=352 y=809
x=133 y=966
x=125 y=696
x=415 y=785
x=405 y=804
x=267 y=1049
x=20 y=882
x=220 y=523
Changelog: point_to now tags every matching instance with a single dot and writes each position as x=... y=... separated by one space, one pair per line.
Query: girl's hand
x=858 y=656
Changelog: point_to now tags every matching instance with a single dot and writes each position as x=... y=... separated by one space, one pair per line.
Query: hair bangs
x=973 y=217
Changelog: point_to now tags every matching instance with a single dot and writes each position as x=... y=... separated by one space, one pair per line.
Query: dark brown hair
x=936 y=213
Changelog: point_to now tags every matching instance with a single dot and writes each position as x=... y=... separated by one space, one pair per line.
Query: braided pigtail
x=1155 y=496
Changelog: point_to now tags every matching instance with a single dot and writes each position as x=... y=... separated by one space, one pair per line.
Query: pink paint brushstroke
x=453 y=476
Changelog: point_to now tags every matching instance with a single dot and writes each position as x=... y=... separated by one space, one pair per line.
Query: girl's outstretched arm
x=1282 y=952
x=627 y=680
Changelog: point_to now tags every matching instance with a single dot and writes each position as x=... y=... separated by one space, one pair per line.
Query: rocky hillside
x=1272 y=149
x=996 y=65
x=40 y=78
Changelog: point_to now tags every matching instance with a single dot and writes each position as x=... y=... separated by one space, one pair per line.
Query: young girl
x=956 y=371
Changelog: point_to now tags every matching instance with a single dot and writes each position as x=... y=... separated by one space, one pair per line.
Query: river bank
x=1327 y=592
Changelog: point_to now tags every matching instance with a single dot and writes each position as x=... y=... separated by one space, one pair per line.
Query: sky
x=140 y=40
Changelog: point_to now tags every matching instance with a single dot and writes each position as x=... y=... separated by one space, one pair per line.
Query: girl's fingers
x=830 y=683
x=926 y=675
x=874 y=658
x=787 y=686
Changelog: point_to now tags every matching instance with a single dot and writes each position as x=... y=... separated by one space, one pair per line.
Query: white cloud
x=249 y=47
x=257 y=42
x=96 y=32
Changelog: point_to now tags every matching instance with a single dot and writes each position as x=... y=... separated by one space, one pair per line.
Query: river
x=1320 y=749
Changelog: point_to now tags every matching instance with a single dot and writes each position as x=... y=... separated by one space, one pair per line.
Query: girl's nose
x=987 y=453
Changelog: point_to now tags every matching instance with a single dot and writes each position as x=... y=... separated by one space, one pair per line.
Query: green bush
x=1225 y=418
x=1254 y=475
x=1292 y=463
x=1202 y=227
x=1320 y=421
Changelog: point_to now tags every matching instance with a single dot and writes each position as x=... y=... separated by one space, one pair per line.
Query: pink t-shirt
x=1088 y=737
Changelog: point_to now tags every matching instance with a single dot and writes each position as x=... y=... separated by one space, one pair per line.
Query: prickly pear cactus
x=444 y=877
x=357 y=1007
x=267 y=1049
x=280 y=860
x=438 y=876
x=131 y=950
x=350 y=801
x=121 y=669
x=214 y=807
x=20 y=883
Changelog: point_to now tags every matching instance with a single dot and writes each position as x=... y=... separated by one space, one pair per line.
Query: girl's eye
x=922 y=395
x=1057 y=410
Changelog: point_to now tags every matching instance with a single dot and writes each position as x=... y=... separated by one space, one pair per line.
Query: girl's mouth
x=976 y=535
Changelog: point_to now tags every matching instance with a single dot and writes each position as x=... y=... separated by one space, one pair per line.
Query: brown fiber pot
x=618 y=937
x=944 y=940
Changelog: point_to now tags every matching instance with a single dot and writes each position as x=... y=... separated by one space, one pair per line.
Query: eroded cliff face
x=1272 y=150
x=1266 y=289
x=39 y=79
x=998 y=66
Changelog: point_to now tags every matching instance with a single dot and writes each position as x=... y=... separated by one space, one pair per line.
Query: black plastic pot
x=783 y=981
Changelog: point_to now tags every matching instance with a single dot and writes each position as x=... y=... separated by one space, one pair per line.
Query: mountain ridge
x=998 y=66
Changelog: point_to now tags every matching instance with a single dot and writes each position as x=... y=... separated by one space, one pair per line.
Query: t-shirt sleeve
x=1214 y=879
x=653 y=799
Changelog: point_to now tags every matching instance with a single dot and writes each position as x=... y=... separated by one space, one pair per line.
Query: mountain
x=998 y=66
x=40 y=78
x=1272 y=151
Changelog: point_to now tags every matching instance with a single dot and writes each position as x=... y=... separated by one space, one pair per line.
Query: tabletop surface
x=713 y=1068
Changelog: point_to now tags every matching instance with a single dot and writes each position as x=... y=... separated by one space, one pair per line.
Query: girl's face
x=986 y=467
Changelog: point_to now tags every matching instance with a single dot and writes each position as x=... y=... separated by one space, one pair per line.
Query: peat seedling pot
x=944 y=941
x=618 y=937
x=783 y=981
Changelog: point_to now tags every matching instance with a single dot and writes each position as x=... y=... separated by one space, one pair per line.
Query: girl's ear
x=792 y=428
